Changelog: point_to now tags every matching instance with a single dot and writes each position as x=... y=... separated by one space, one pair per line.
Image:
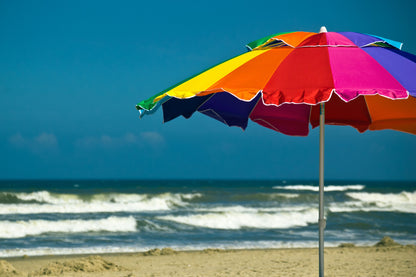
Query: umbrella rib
x=221 y=118
x=254 y=106
x=271 y=126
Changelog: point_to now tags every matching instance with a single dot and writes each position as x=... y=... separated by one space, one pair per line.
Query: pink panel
x=356 y=73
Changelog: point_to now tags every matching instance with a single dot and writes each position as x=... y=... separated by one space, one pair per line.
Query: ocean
x=47 y=217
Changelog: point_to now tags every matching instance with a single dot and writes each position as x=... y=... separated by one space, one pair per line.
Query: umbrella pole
x=322 y=221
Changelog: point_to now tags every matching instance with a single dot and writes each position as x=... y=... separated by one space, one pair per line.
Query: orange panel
x=252 y=76
x=399 y=114
x=295 y=38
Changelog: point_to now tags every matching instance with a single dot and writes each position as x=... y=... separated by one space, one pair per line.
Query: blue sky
x=71 y=73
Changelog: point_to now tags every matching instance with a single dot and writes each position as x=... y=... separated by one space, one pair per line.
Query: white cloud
x=129 y=139
x=44 y=142
x=17 y=140
x=153 y=138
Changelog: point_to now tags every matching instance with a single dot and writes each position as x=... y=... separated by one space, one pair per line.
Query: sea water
x=46 y=217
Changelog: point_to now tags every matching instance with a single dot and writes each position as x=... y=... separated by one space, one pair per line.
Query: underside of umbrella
x=363 y=113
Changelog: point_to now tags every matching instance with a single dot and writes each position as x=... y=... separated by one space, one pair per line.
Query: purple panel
x=360 y=39
x=401 y=65
x=228 y=109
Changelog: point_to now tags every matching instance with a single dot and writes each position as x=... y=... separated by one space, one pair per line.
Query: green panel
x=260 y=41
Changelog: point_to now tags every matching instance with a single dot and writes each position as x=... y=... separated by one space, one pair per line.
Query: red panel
x=289 y=119
x=303 y=77
x=339 y=112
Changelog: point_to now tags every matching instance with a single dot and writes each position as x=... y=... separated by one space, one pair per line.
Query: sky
x=71 y=73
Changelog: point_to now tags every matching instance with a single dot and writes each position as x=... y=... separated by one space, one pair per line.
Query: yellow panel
x=207 y=78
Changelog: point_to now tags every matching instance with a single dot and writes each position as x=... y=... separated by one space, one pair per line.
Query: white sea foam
x=285 y=195
x=43 y=251
x=47 y=197
x=71 y=203
x=237 y=219
x=387 y=198
x=244 y=209
x=20 y=229
x=57 y=198
x=316 y=188
x=364 y=201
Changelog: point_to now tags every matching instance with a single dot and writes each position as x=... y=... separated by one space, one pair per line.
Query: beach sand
x=339 y=261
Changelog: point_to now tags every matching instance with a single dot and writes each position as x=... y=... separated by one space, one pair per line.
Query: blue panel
x=228 y=109
x=175 y=107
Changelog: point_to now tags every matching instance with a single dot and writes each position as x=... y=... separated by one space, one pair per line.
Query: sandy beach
x=339 y=261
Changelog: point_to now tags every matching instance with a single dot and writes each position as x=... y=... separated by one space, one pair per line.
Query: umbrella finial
x=323 y=30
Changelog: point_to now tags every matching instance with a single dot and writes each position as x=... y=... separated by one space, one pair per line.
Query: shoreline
x=398 y=260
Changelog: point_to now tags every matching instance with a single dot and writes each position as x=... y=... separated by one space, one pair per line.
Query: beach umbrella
x=288 y=81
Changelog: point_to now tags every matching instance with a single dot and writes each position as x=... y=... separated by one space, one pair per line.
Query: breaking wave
x=316 y=188
x=20 y=229
x=236 y=219
x=45 y=202
x=364 y=201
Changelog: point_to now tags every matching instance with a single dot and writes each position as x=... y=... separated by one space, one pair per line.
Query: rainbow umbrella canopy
x=281 y=81
x=288 y=81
